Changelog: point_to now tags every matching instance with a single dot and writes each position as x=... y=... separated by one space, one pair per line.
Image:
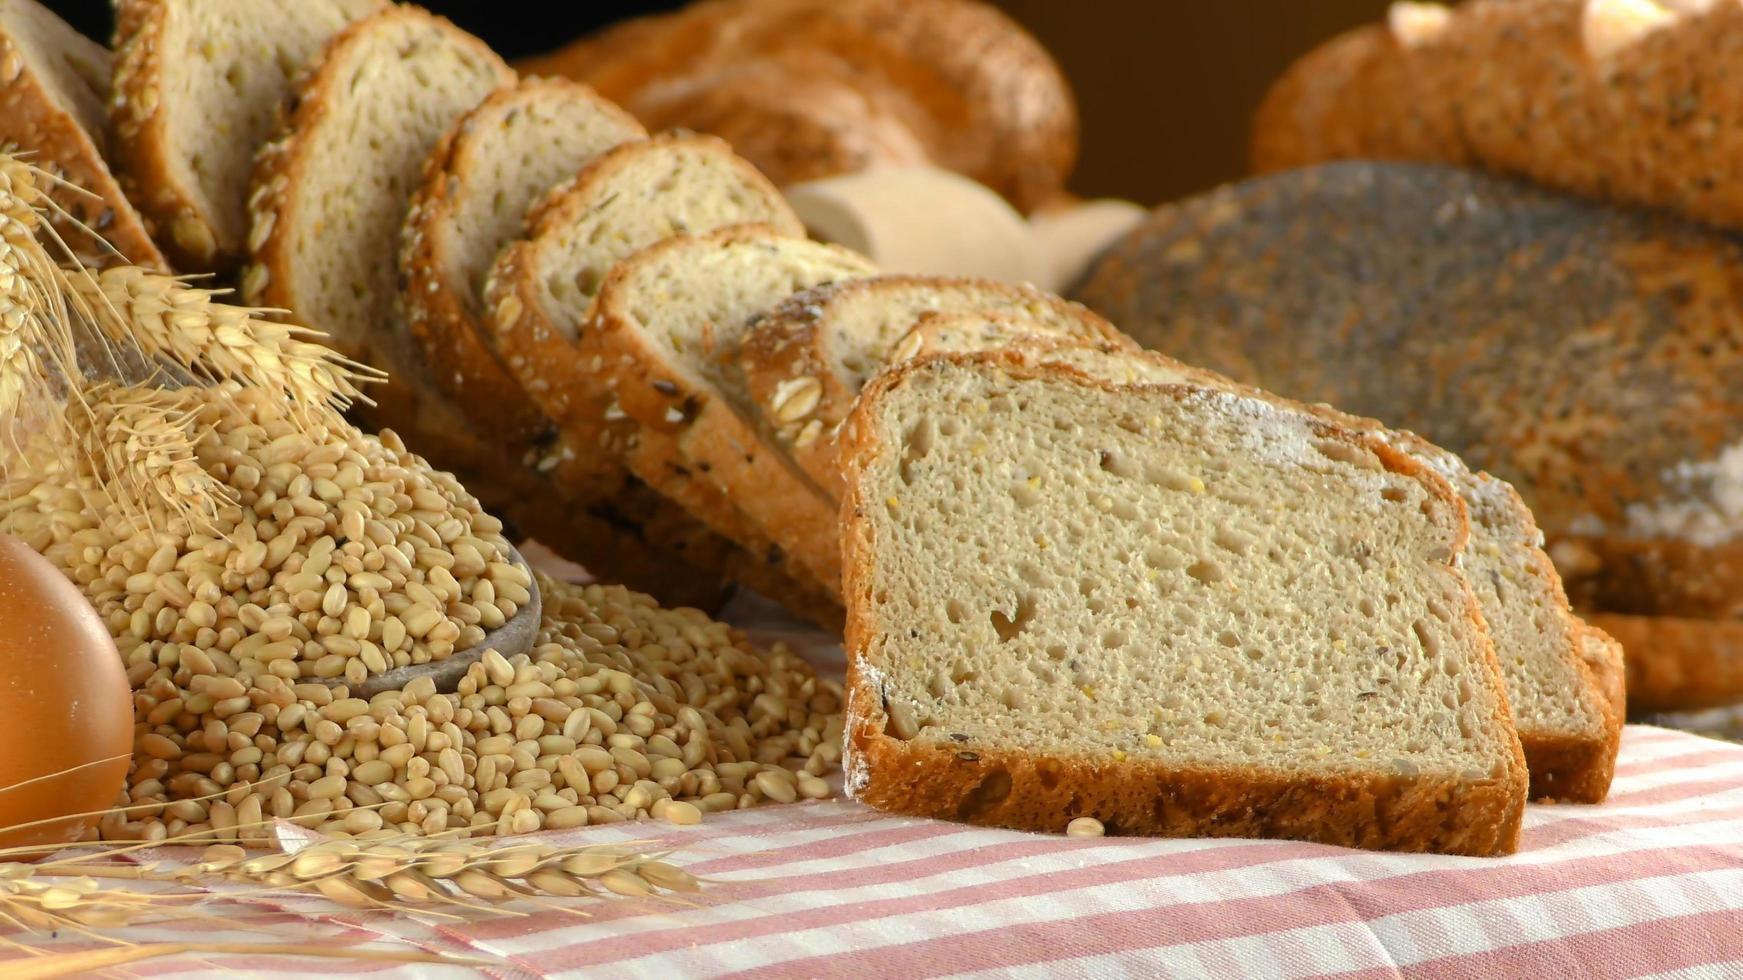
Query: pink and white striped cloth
x=1648 y=884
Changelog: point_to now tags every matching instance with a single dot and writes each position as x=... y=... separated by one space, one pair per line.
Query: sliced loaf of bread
x=807 y=360
x=330 y=193
x=53 y=81
x=493 y=164
x=665 y=332
x=1176 y=609
x=540 y=290
x=197 y=89
x=1568 y=724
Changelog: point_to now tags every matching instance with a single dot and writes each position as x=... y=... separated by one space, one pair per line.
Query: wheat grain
x=167 y=318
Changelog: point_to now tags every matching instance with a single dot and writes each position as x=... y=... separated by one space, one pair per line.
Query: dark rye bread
x=665 y=332
x=1005 y=523
x=806 y=361
x=492 y=165
x=1588 y=356
x=1558 y=675
x=53 y=82
x=1633 y=101
x=197 y=87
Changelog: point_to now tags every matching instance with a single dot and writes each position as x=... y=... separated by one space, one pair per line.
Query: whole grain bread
x=806 y=361
x=197 y=89
x=490 y=167
x=665 y=332
x=814 y=88
x=1627 y=101
x=52 y=85
x=329 y=196
x=1568 y=722
x=540 y=289
x=1678 y=663
x=1438 y=300
x=1178 y=610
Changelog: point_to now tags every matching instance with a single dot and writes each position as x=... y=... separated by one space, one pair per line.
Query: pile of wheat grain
x=321 y=553
x=331 y=555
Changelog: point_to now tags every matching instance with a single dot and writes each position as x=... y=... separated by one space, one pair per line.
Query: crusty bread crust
x=812 y=88
x=792 y=343
x=144 y=153
x=450 y=330
x=1038 y=792
x=1514 y=87
x=1678 y=664
x=32 y=122
x=694 y=436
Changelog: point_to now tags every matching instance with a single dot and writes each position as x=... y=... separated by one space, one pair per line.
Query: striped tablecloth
x=1649 y=883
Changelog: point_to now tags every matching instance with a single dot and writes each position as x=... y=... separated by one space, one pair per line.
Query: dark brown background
x=1165 y=87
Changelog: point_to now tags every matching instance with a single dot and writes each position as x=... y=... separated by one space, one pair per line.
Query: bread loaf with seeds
x=197 y=89
x=1627 y=100
x=1558 y=676
x=492 y=165
x=52 y=85
x=665 y=330
x=1438 y=300
x=329 y=196
x=1174 y=609
x=805 y=362
x=540 y=290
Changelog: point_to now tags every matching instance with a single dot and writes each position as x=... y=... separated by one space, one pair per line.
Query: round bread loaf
x=1587 y=355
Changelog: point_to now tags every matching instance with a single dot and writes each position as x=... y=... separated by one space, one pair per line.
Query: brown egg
x=66 y=712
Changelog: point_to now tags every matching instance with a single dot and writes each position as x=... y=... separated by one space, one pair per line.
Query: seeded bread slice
x=807 y=360
x=1175 y=609
x=541 y=289
x=665 y=331
x=493 y=164
x=197 y=87
x=52 y=84
x=330 y=191
x=1568 y=726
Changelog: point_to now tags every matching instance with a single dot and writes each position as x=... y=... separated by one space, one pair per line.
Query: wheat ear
x=142 y=442
x=36 y=341
x=167 y=318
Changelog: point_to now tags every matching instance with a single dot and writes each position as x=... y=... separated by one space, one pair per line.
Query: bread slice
x=541 y=289
x=665 y=333
x=493 y=164
x=330 y=194
x=1175 y=609
x=1566 y=721
x=1604 y=656
x=197 y=88
x=52 y=84
x=807 y=360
